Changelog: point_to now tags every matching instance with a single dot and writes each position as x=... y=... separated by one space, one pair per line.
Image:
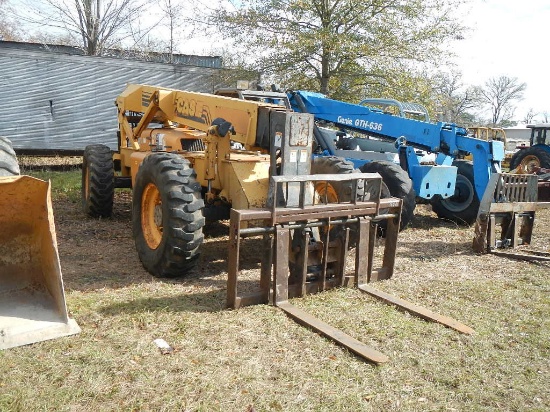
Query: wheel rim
x=463 y=196
x=529 y=163
x=326 y=193
x=151 y=216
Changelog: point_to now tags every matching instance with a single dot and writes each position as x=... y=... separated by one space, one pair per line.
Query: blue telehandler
x=417 y=159
x=359 y=133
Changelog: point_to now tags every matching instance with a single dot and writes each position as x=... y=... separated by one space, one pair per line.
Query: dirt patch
x=100 y=253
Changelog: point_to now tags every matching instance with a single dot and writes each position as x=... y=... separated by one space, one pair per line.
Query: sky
x=509 y=38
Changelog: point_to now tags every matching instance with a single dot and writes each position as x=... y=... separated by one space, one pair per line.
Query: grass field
x=257 y=359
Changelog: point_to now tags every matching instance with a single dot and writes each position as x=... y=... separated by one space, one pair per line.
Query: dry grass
x=258 y=359
x=32 y=164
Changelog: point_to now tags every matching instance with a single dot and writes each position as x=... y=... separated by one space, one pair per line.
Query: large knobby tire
x=396 y=183
x=8 y=160
x=333 y=192
x=529 y=159
x=167 y=218
x=336 y=192
x=463 y=206
x=98 y=184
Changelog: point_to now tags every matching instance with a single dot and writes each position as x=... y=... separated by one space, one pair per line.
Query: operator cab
x=540 y=134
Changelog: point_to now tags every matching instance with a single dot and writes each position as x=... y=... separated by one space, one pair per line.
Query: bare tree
x=95 y=25
x=8 y=29
x=529 y=116
x=454 y=100
x=500 y=94
x=172 y=9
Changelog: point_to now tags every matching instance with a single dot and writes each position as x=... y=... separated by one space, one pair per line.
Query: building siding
x=59 y=101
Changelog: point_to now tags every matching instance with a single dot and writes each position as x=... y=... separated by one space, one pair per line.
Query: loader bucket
x=32 y=299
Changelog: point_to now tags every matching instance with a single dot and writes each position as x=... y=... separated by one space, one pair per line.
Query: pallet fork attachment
x=506 y=217
x=290 y=261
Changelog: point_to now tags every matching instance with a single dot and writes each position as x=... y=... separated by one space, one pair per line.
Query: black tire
x=335 y=191
x=8 y=160
x=167 y=218
x=98 y=184
x=463 y=206
x=527 y=158
x=396 y=183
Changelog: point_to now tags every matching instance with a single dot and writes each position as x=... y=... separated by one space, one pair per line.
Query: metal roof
x=214 y=62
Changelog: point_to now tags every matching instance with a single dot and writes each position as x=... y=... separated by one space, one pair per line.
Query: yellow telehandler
x=32 y=299
x=191 y=158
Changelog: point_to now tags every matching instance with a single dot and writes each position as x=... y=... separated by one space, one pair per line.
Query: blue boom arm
x=447 y=140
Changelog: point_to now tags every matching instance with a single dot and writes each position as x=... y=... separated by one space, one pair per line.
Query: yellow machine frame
x=239 y=176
